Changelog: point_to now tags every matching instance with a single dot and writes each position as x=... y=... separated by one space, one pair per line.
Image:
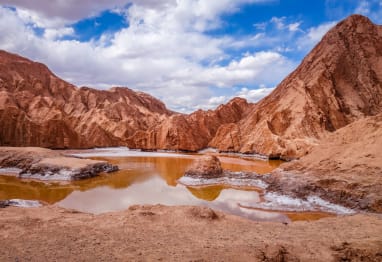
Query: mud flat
x=45 y=164
x=182 y=233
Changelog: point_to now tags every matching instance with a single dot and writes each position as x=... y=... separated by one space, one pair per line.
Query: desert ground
x=182 y=233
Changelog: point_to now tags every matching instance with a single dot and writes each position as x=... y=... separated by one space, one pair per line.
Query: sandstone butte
x=338 y=83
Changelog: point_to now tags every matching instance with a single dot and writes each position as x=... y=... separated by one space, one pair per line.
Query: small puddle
x=152 y=178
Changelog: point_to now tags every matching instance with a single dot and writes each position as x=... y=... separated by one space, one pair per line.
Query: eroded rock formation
x=339 y=82
x=39 y=109
x=346 y=168
x=207 y=166
x=46 y=164
x=190 y=132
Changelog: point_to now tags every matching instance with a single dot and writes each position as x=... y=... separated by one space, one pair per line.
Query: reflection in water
x=12 y=187
x=208 y=193
x=146 y=178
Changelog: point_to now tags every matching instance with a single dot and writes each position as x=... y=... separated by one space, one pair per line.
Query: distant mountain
x=340 y=81
x=39 y=109
x=191 y=132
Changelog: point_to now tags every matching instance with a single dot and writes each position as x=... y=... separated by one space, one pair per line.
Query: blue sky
x=189 y=53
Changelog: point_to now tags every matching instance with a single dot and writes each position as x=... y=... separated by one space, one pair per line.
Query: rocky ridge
x=39 y=109
x=338 y=83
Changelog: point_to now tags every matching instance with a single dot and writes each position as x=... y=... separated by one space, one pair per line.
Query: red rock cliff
x=39 y=109
x=339 y=82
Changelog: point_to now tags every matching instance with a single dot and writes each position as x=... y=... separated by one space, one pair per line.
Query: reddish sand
x=147 y=233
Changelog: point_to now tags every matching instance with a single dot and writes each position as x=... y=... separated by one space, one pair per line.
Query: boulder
x=205 y=167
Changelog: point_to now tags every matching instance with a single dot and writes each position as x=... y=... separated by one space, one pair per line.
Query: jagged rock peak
x=338 y=82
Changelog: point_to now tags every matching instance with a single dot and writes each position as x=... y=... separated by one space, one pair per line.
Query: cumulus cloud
x=251 y=95
x=254 y=95
x=54 y=34
x=57 y=13
x=281 y=24
x=314 y=35
x=164 y=50
x=294 y=26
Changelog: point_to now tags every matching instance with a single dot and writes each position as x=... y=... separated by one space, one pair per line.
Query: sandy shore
x=148 y=233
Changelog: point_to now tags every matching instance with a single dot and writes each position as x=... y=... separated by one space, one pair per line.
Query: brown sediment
x=182 y=233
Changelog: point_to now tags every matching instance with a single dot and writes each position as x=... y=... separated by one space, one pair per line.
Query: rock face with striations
x=39 y=109
x=339 y=82
x=191 y=132
x=346 y=168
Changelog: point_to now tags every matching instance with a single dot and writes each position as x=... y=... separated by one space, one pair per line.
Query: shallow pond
x=151 y=178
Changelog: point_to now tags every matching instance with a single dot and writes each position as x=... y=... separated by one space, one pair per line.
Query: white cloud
x=54 y=34
x=294 y=26
x=251 y=95
x=57 y=13
x=215 y=101
x=254 y=95
x=314 y=35
x=279 y=22
x=257 y=68
x=164 y=51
